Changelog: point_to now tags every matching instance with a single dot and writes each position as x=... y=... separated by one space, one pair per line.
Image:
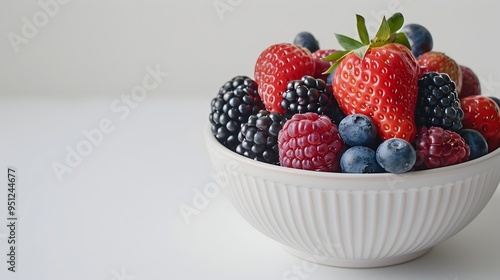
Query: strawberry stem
x=386 y=34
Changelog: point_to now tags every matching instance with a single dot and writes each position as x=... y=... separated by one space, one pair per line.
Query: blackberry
x=259 y=137
x=311 y=95
x=236 y=101
x=438 y=103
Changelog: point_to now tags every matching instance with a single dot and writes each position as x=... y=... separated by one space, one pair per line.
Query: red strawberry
x=439 y=62
x=275 y=67
x=320 y=65
x=379 y=78
x=470 y=82
x=482 y=114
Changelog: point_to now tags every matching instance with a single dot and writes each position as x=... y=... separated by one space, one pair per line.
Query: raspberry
x=236 y=101
x=310 y=95
x=310 y=141
x=259 y=137
x=437 y=147
x=438 y=103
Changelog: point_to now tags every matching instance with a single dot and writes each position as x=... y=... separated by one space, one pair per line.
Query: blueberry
x=419 y=37
x=329 y=78
x=357 y=130
x=476 y=142
x=359 y=159
x=306 y=40
x=396 y=155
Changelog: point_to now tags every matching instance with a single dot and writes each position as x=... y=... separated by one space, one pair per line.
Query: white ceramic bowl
x=356 y=220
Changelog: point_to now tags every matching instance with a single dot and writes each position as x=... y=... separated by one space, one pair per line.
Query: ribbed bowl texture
x=355 y=220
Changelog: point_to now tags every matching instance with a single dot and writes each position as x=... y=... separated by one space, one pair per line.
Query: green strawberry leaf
x=336 y=63
x=395 y=22
x=386 y=34
x=362 y=31
x=335 y=56
x=348 y=43
x=360 y=52
x=383 y=33
x=403 y=40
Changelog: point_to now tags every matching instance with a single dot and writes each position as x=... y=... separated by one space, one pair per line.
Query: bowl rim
x=211 y=141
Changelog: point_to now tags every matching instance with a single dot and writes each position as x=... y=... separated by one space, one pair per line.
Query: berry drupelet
x=236 y=101
x=310 y=141
x=259 y=137
x=438 y=147
x=438 y=103
x=311 y=95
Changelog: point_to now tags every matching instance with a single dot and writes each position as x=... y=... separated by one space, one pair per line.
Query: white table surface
x=114 y=215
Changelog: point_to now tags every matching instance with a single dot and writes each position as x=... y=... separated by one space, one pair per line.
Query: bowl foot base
x=362 y=263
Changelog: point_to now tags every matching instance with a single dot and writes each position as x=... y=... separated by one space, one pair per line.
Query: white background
x=116 y=215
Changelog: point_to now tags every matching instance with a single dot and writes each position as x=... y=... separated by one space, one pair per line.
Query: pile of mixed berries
x=386 y=104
